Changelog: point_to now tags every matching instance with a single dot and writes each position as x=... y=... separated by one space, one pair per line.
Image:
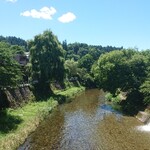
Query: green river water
x=87 y=123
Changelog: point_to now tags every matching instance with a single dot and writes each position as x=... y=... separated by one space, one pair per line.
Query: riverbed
x=88 y=123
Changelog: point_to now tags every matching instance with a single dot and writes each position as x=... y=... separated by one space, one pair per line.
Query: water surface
x=88 y=124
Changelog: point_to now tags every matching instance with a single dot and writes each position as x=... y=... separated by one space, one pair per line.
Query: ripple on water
x=88 y=124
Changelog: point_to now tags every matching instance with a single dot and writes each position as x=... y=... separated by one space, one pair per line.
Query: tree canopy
x=46 y=58
x=10 y=73
x=124 y=69
x=12 y=40
x=111 y=68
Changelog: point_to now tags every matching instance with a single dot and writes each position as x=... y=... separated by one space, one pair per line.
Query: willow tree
x=47 y=60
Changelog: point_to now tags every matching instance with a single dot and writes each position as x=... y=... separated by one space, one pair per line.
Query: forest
x=122 y=73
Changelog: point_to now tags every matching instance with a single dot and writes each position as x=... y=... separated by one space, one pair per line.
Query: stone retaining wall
x=14 y=97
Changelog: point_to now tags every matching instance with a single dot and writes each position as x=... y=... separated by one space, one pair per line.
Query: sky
x=95 y=22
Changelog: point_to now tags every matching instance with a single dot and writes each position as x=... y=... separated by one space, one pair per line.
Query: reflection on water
x=88 y=124
x=145 y=128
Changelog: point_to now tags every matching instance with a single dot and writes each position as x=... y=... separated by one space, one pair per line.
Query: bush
x=108 y=97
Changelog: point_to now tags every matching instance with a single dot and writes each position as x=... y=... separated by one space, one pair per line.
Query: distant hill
x=77 y=50
x=14 y=41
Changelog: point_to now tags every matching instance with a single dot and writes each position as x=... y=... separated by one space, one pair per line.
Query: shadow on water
x=8 y=122
x=133 y=103
x=109 y=108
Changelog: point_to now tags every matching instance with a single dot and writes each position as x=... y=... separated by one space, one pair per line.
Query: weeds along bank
x=17 y=124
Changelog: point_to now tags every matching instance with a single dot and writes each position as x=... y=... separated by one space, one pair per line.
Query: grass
x=71 y=92
x=68 y=95
x=17 y=124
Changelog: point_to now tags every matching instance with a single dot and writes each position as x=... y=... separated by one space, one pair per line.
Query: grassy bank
x=16 y=125
x=69 y=94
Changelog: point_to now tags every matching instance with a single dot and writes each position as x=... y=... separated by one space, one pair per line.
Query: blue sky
x=97 y=22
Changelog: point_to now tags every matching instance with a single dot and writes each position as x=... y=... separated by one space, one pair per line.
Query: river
x=87 y=123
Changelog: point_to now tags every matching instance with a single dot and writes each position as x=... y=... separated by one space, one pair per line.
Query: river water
x=87 y=123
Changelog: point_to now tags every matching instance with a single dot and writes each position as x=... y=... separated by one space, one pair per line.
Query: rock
x=143 y=116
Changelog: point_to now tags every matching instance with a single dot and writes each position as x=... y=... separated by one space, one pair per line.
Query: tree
x=145 y=89
x=82 y=52
x=107 y=71
x=64 y=45
x=47 y=60
x=17 y=50
x=124 y=69
x=138 y=71
x=71 y=67
x=12 y=40
x=10 y=73
x=95 y=53
x=86 y=62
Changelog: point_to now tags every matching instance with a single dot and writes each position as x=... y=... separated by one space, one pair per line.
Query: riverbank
x=16 y=125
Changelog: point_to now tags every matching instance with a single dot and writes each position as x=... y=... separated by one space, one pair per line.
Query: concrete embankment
x=143 y=116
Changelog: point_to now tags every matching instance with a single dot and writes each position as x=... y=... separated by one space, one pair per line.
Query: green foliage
x=127 y=71
x=12 y=40
x=133 y=103
x=113 y=98
x=86 y=55
x=109 y=71
x=27 y=72
x=138 y=68
x=86 y=62
x=124 y=69
x=47 y=59
x=116 y=99
x=75 y=74
x=108 y=97
x=95 y=53
x=72 y=68
x=81 y=49
x=17 y=49
x=69 y=94
x=145 y=89
x=87 y=80
x=10 y=73
x=17 y=124
x=64 y=45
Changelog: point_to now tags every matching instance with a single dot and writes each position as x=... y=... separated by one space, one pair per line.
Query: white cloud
x=13 y=1
x=66 y=18
x=44 y=13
